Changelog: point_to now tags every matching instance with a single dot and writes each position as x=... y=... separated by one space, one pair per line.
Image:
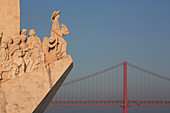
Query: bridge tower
x=125 y=106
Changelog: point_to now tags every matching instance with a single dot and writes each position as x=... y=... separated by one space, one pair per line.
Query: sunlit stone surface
x=9 y=17
x=31 y=71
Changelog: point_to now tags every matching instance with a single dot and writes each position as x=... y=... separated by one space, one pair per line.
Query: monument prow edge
x=45 y=102
x=32 y=92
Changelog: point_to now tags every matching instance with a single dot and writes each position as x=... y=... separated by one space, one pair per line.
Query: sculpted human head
x=56 y=15
x=24 y=32
x=52 y=40
x=32 y=32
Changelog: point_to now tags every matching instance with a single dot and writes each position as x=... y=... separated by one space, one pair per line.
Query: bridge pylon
x=125 y=106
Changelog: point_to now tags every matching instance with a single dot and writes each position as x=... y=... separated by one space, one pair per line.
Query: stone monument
x=9 y=17
x=31 y=72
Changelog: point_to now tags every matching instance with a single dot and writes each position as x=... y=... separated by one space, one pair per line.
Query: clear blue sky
x=107 y=32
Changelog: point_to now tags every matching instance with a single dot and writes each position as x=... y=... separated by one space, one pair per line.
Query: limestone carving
x=17 y=55
x=6 y=63
x=26 y=51
x=31 y=72
x=34 y=44
x=21 y=54
x=46 y=50
x=57 y=32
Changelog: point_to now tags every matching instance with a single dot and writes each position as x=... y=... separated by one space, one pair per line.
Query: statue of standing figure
x=17 y=55
x=26 y=51
x=57 y=32
x=34 y=44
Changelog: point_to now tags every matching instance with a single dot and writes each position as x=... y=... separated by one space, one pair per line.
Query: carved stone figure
x=26 y=51
x=54 y=47
x=23 y=38
x=6 y=63
x=34 y=44
x=58 y=32
x=51 y=50
x=46 y=49
x=17 y=55
x=5 y=57
x=23 y=55
x=9 y=41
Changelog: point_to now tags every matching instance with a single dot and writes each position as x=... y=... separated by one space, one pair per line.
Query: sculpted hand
x=62 y=25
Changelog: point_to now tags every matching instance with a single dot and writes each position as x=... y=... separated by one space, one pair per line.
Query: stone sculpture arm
x=26 y=49
x=66 y=33
x=52 y=19
x=14 y=49
x=65 y=30
x=58 y=32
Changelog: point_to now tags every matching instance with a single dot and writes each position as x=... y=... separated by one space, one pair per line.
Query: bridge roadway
x=110 y=103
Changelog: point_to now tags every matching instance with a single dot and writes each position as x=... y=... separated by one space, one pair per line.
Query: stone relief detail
x=35 y=46
x=26 y=51
x=6 y=63
x=57 y=32
x=24 y=54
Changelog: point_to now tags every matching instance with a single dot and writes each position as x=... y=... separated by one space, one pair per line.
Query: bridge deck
x=109 y=103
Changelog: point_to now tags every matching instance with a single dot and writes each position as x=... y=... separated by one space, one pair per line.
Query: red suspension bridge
x=122 y=85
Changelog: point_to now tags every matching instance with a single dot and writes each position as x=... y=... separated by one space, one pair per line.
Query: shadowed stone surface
x=24 y=94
